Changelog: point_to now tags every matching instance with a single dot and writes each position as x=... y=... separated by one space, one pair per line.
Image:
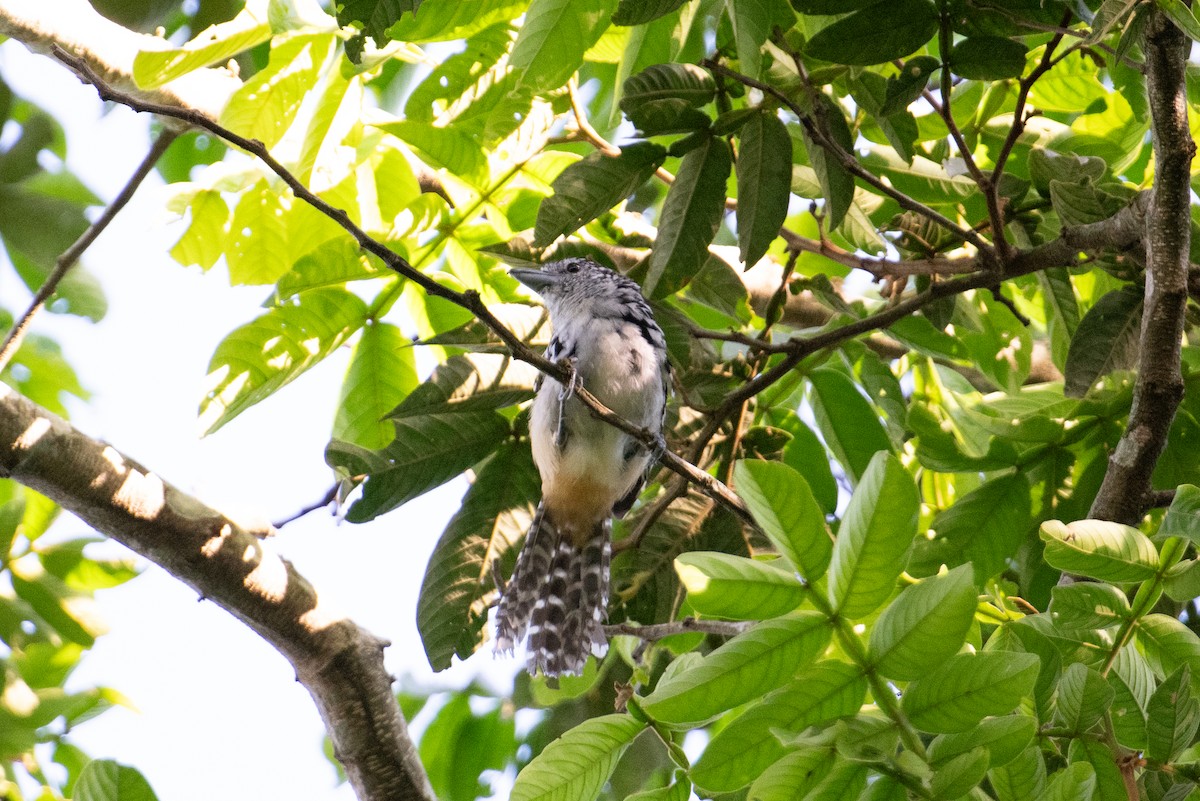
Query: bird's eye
x=572 y=268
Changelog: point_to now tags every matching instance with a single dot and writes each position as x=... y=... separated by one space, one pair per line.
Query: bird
x=591 y=471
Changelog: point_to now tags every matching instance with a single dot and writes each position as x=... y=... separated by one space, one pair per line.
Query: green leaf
x=691 y=215
x=1083 y=698
x=959 y=775
x=680 y=790
x=1133 y=682
x=1182 y=16
x=577 y=764
x=478 y=381
x=764 y=179
x=746 y=747
x=1047 y=165
x=449 y=147
x=429 y=450
x=753 y=21
x=1107 y=339
x=986 y=526
x=793 y=776
x=848 y=422
x=374 y=17
x=639 y=12
x=747 y=666
x=592 y=186
x=204 y=240
x=969 y=687
x=685 y=82
x=258 y=358
x=874 y=35
x=442 y=21
x=459 y=744
x=71 y=613
x=1087 y=605
x=924 y=626
x=264 y=107
x=1183 y=515
x=873 y=542
x=987 y=58
x=807 y=455
x=782 y=504
x=1102 y=550
x=257 y=252
x=556 y=34
x=1075 y=783
x=1004 y=738
x=837 y=184
x=1168 y=644
x=382 y=372
x=1021 y=779
x=1172 y=717
x=215 y=44
x=107 y=780
x=737 y=588
x=330 y=264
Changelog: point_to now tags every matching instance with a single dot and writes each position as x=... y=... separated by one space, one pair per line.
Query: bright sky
x=219 y=713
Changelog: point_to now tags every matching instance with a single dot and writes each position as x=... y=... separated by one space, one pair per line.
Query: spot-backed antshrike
x=591 y=471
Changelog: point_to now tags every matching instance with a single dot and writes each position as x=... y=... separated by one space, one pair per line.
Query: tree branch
x=1126 y=491
x=337 y=661
x=72 y=254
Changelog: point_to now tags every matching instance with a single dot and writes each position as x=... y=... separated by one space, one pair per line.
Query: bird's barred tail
x=558 y=594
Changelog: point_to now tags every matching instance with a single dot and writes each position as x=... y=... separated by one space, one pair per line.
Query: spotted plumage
x=591 y=471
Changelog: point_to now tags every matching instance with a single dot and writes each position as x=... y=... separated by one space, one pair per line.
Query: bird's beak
x=534 y=279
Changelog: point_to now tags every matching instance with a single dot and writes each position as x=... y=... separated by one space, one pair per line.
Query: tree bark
x=337 y=661
x=1126 y=491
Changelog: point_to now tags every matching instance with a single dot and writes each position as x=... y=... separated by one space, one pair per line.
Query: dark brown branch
x=1159 y=388
x=337 y=661
x=69 y=257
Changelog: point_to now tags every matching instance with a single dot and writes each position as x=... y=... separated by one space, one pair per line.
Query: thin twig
x=689 y=625
x=329 y=497
x=70 y=256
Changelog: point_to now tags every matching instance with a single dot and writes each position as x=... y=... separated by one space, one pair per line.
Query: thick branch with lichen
x=225 y=560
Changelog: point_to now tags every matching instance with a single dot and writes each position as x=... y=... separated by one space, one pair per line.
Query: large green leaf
x=836 y=182
x=784 y=508
x=1107 y=339
x=748 y=666
x=592 y=186
x=969 y=687
x=1004 y=738
x=460 y=744
x=575 y=766
x=258 y=358
x=764 y=180
x=1168 y=644
x=69 y=612
x=848 y=422
x=737 y=588
x=1183 y=515
x=794 y=776
x=691 y=215
x=382 y=373
x=874 y=539
x=429 y=450
x=1021 y=779
x=742 y=750
x=256 y=251
x=494 y=515
x=924 y=626
x=448 y=147
x=882 y=32
x=639 y=12
x=1074 y=783
x=107 y=780
x=1087 y=605
x=265 y=105
x=1172 y=717
x=213 y=45
x=1083 y=698
x=1100 y=549
x=986 y=527
x=987 y=58
x=556 y=34
x=374 y=17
